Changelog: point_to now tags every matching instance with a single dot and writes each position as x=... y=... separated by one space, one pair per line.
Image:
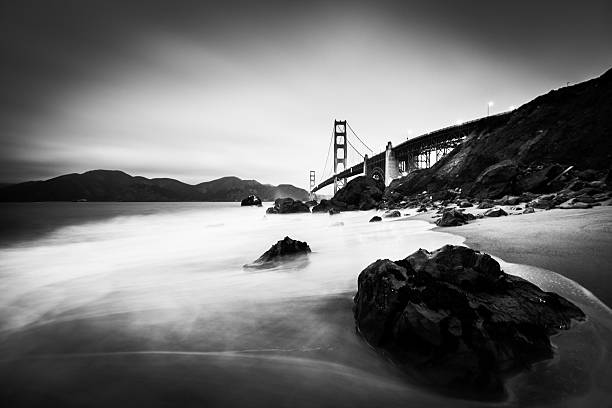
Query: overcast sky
x=199 y=90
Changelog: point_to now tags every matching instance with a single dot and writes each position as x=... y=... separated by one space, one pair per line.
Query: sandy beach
x=574 y=243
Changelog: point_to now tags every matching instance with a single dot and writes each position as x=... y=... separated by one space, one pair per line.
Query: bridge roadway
x=408 y=155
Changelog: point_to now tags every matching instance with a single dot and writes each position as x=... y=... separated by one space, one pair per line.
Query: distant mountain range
x=114 y=185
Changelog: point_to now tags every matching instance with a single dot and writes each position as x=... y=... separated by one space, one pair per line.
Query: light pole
x=489 y=105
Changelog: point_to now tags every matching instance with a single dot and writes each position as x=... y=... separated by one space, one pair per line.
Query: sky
x=196 y=90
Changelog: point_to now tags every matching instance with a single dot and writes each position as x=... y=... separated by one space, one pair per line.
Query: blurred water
x=148 y=303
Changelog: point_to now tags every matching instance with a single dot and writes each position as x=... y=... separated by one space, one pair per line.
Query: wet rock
x=334 y=211
x=284 y=250
x=422 y=209
x=465 y=204
x=452 y=218
x=484 y=205
x=250 y=201
x=311 y=203
x=528 y=210
x=495 y=212
x=375 y=218
x=323 y=206
x=453 y=319
x=392 y=214
x=287 y=206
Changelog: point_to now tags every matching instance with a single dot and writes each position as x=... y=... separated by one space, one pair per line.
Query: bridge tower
x=313 y=184
x=340 y=152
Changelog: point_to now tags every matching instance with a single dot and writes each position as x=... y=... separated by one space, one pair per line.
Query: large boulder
x=362 y=193
x=326 y=205
x=251 y=200
x=496 y=180
x=495 y=212
x=286 y=206
x=452 y=218
x=284 y=250
x=453 y=319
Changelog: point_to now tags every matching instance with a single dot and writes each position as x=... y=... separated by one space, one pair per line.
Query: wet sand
x=574 y=243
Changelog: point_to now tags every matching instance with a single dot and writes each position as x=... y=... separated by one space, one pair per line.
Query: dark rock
x=422 y=209
x=528 y=210
x=601 y=197
x=465 y=204
x=284 y=250
x=495 y=212
x=363 y=193
x=392 y=214
x=573 y=204
x=375 y=218
x=484 y=205
x=287 y=206
x=511 y=200
x=445 y=194
x=495 y=180
x=453 y=319
x=537 y=181
x=251 y=200
x=333 y=211
x=452 y=218
x=588 y=174
x=311 y=203
x=323 y=206
x=326 y=205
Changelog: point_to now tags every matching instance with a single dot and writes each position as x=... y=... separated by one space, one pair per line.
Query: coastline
x=574 y=243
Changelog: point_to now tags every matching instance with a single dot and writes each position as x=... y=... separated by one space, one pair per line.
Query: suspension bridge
x=417 y=153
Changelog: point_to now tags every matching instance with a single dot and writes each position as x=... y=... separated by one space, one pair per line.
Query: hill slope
x=114 y=185
x=234 y=189
x=568 y=126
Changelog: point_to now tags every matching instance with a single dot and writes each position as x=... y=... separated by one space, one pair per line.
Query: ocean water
x=148 y=304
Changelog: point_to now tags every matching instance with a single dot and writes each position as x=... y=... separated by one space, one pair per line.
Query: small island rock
x=287 y=206
x=284 y=250
x=251 y=200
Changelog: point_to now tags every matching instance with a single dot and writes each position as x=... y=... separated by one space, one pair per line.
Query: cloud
x=197 y=90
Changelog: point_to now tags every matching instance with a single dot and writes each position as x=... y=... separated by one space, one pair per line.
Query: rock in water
x=287 y=206
x=455 y=320
x=375 y=218
x=284 y=250
x=251 y=200
x=392 y=214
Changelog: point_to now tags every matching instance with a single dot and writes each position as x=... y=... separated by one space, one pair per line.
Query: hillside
x=570 y=126
x=235 y=189
x=114 y=185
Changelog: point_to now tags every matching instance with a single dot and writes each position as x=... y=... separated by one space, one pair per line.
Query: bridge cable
x=354 y=148
x=327 y=159
x=358 y=138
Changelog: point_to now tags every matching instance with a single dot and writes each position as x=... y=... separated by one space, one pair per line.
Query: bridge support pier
x=391 y=165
